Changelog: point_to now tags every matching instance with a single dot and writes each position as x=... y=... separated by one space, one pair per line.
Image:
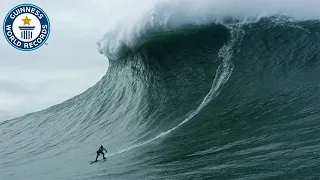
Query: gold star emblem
x=26 y=21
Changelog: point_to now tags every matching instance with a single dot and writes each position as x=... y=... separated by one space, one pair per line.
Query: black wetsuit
x=100 y=151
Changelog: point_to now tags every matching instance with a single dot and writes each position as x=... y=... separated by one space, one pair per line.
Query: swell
x=139 y=95
x=224 y=91
x=262 y=124
x=266 y=113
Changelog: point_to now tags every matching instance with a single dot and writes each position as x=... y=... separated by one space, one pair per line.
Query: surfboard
x=91 y=162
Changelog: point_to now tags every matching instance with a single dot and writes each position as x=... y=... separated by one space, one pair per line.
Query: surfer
x=100 y=151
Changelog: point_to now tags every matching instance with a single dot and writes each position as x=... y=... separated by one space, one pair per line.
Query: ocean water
x=185 y=97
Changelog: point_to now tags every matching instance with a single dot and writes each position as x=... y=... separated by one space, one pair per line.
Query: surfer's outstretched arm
x=105 y=150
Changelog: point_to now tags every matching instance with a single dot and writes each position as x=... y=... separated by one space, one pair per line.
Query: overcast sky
x=67 y=66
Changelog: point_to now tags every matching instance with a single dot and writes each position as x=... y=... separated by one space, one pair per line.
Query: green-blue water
x=200 y=102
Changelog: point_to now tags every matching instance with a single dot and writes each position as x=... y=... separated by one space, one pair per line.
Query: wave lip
x=169 y=15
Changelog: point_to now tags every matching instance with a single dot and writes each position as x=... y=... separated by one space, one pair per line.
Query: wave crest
x=166 y=15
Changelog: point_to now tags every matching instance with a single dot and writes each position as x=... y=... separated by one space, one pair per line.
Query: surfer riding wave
x=100 y=151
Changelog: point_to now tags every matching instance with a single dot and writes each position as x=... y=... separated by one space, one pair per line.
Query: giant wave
x=194 y=95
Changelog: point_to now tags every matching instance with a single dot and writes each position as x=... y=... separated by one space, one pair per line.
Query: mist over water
x=195 y=90
x=164 y=15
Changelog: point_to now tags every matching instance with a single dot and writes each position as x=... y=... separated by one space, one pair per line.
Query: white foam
x=167 y=14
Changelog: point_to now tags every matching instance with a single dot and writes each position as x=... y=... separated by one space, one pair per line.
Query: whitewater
x=195 y=90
